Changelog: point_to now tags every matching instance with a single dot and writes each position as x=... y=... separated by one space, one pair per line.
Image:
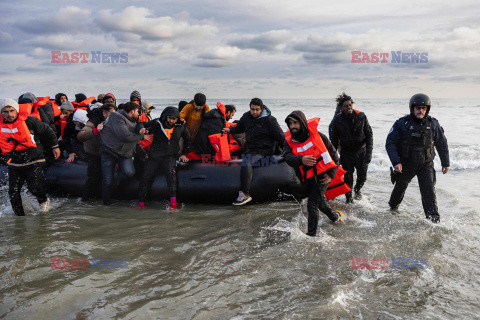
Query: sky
x=241 y=49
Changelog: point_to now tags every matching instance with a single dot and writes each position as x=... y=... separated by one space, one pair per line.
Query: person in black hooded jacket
x=163 y=151
x=263 y=135
x=351 y=133
x=316 y=186
x=45 y=111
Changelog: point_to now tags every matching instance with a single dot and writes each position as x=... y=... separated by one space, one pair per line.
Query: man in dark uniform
x=351 y=133
x=410 y=146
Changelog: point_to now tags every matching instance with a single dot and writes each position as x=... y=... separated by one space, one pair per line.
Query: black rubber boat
x=197 y=182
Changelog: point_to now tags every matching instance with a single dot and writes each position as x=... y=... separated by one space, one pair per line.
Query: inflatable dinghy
x=197 y=181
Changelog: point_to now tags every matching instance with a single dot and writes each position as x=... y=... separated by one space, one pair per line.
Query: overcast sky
x=241 y=49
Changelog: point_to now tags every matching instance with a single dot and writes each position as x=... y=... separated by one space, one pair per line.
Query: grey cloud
x=268 y=41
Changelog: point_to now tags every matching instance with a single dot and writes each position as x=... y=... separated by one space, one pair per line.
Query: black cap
x=200 y=99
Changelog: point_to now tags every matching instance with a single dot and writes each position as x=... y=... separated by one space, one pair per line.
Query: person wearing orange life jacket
x=22 y=142
x=351 y=133
x=167 y=131
x=43 y=110
x=316 y=160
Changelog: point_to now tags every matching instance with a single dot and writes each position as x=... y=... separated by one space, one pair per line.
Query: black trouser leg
x=148 y=176
x=16 y=179
x=317 y=200
x=348 y=165
x=36 y=182
x=168 y=166
x=362 y=168
x=426 y=181
x=401 y=186
x=94 y=177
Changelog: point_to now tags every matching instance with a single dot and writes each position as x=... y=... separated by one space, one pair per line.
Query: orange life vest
x=56 y=108
x=82 y=105
x=313 y=146
x=337 y=187
x=25 y=109
x=19 y=132
x=35 y=113
x=219 y=142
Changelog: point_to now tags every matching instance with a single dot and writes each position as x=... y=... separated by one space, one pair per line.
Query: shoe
x=45 y=206
x=435 y=218
x=173 y=203
x=242 y=199
x=141 y=205
x=358 y=195
x=339 y=217
x=349 y=199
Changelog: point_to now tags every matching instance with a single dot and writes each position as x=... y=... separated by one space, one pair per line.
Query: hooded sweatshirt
x=296 y=161
x=58 y=96
x=119 y=137
x=162 y=145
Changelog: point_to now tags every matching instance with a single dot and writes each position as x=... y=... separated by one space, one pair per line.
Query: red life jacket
x=219 y=142
x=35 y=113
x=145 y=144
x=232 y=143
x=25 y=109
x=314 y=146
x=19 y=132
x=56 y=108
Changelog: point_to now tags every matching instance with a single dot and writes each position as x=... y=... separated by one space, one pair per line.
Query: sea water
x=255 y=262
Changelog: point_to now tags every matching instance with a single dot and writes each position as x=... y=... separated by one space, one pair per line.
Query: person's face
x=229 y=115
x=63 y=99
x=198 y=108
x=136 y=100
x=420 y=111
x=135 y=114
x=149 y=111
x=255 y=111
x=294 y=125
x=108 y=112
x=347 y=108
x=171 y=121
x=66 y=113
x=9 y=114
x=109 y=100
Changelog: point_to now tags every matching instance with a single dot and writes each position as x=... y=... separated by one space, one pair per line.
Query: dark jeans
x=426 y=181
x=317 y=200
x=350 y=162
x=246 y=172
x=93 y=185
x=108 y=162
x=167 y=166
x=33 y=174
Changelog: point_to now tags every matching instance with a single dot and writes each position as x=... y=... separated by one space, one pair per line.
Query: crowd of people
x=36 y=130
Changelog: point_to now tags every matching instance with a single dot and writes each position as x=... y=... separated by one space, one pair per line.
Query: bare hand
x=309 y=161
x=225 y=130
x=398 y=167
x=56 y=153
x=100 y=127
x=142 y=131
x=183 y=158
x=71 y=157
x=62 y=116
x=445 y=169
x=148 y=137
x=326 y=179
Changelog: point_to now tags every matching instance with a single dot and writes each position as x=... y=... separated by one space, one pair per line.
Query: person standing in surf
x=410 y=147
x=351 y=133
x=306 y=150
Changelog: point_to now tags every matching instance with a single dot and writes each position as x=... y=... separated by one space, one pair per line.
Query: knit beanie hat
x=7 y=102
